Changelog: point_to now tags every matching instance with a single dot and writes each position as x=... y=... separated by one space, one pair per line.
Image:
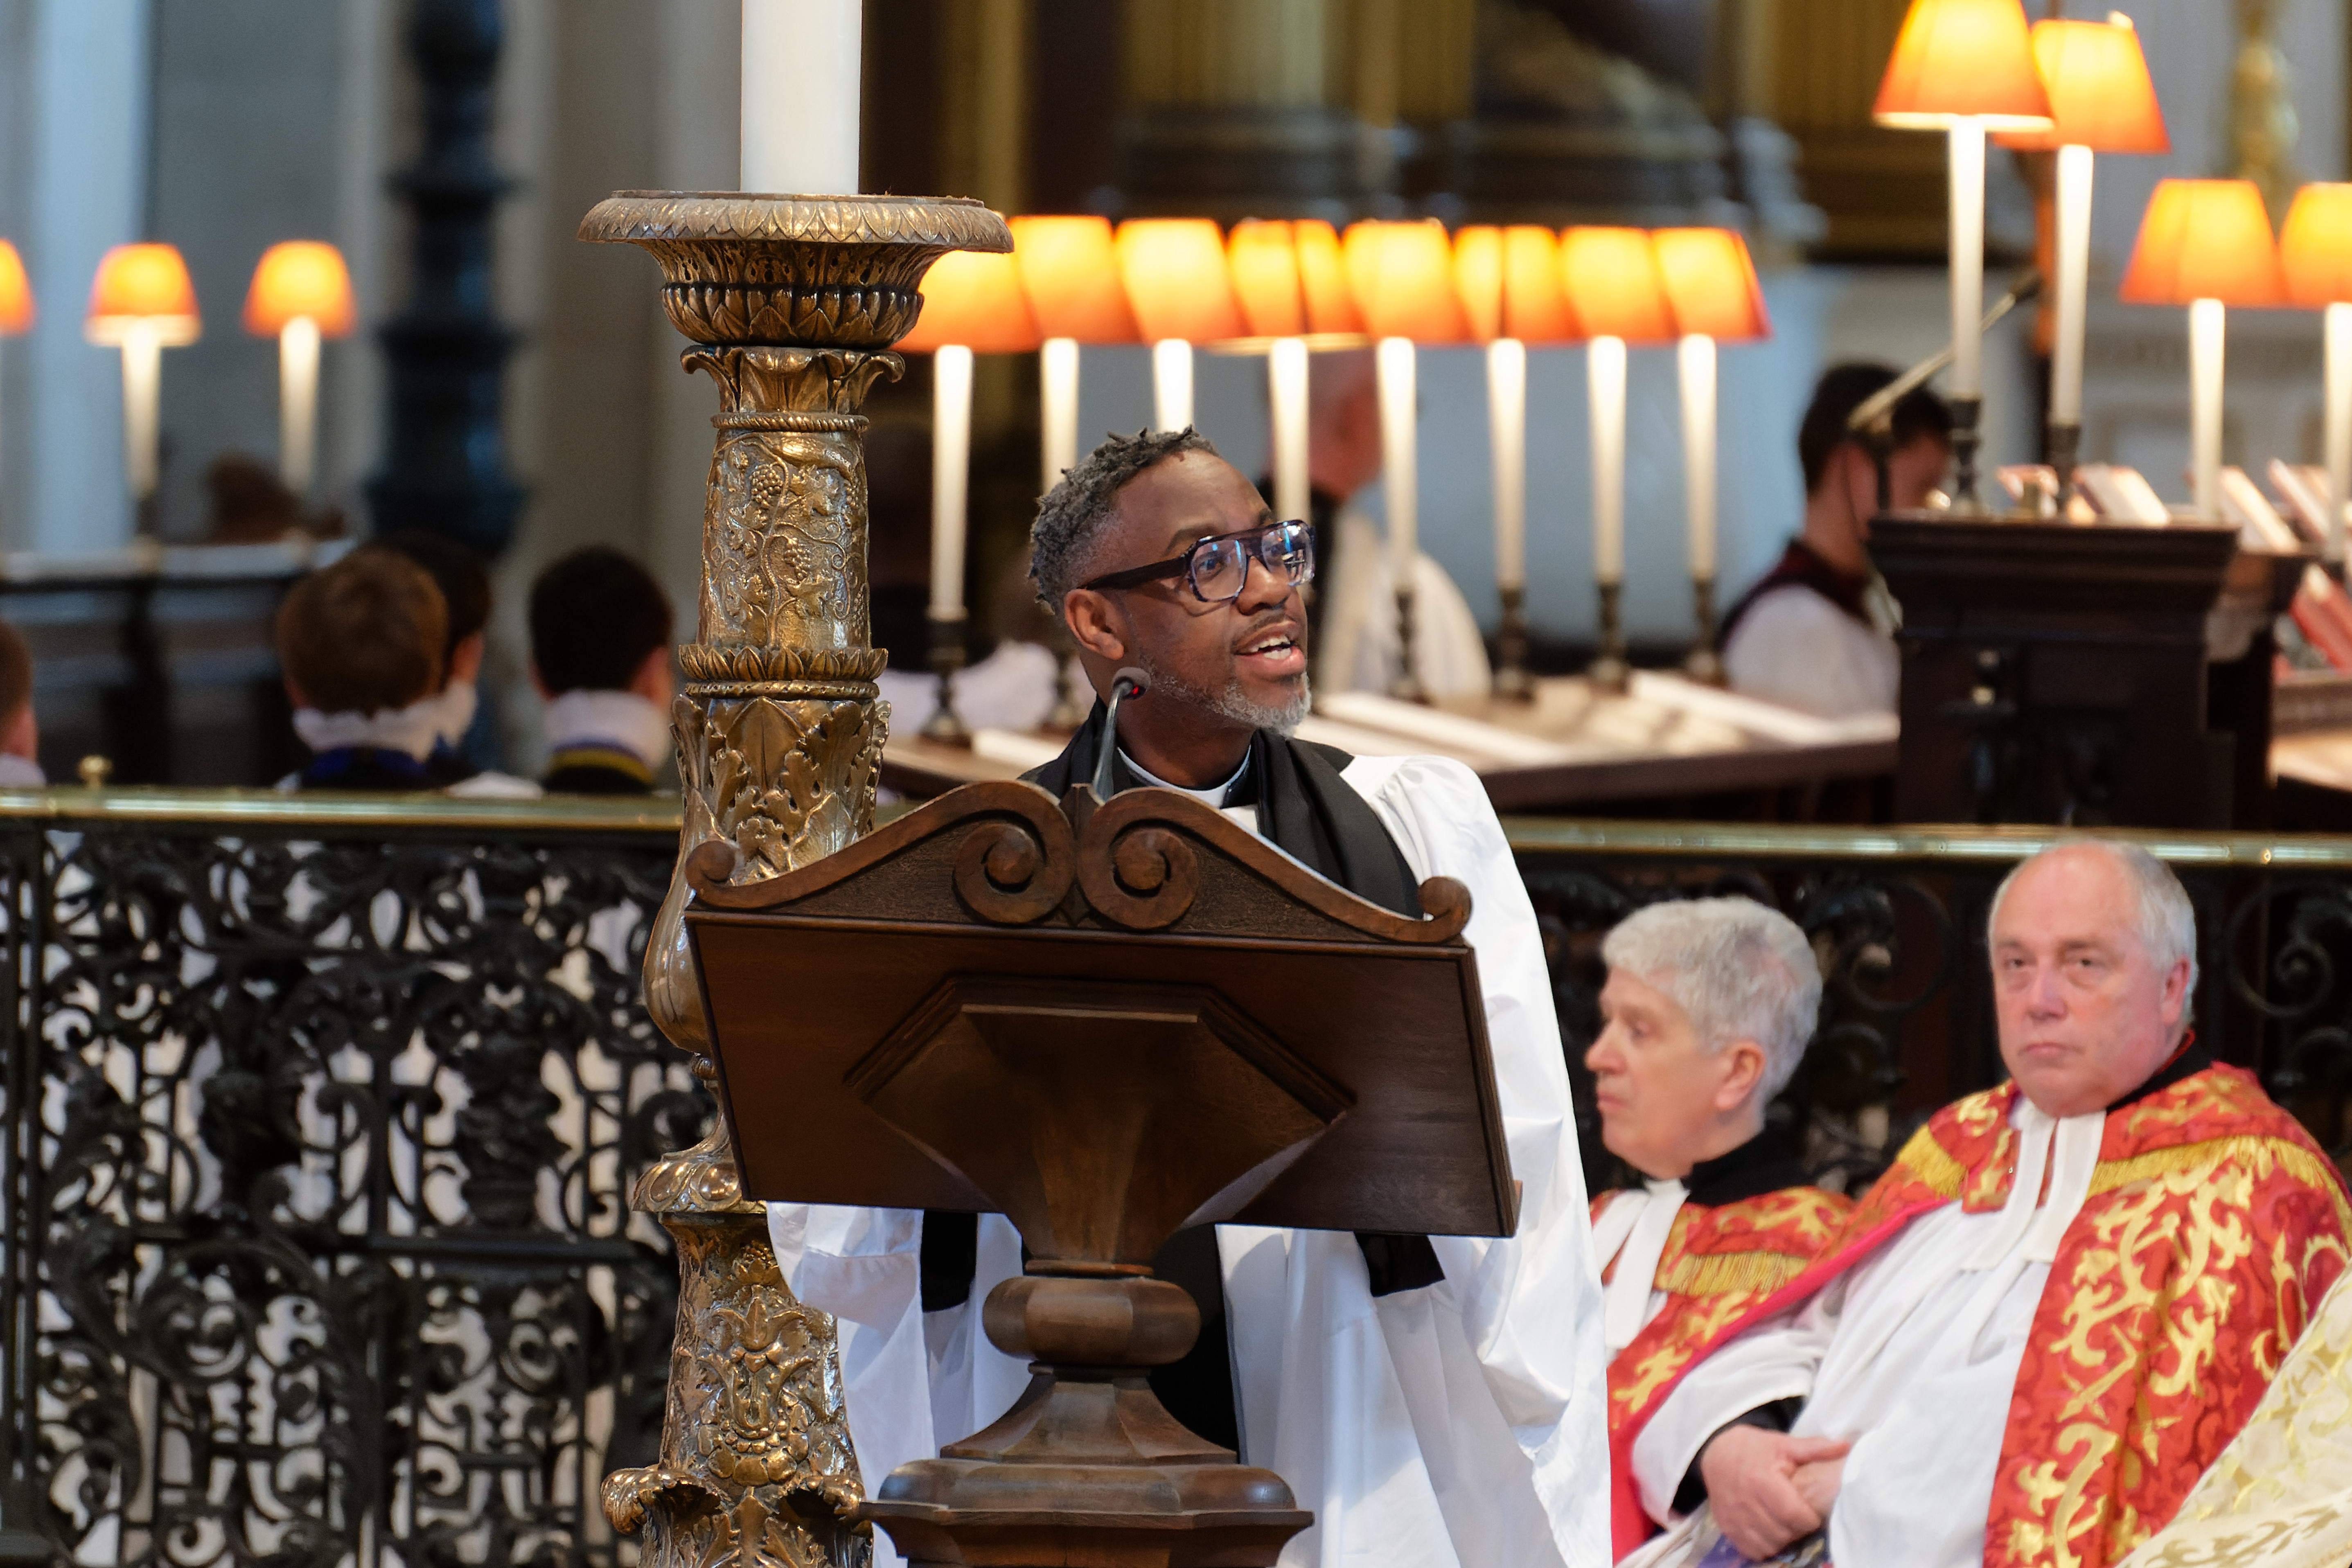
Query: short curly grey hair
x=1736 y=969
x=1073 y=512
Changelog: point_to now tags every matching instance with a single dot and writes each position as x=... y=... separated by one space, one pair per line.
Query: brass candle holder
x=1705 y=665
x=791 y=304
x=1512 y=681
x=1405 y=686
x=1609 y=671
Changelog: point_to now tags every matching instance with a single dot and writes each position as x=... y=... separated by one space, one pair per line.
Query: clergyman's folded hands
x=1769 y=1489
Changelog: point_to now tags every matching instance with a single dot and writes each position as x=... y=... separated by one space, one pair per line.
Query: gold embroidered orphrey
x=791 y=304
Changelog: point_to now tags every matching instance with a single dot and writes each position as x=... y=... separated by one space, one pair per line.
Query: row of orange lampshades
x=142 y=301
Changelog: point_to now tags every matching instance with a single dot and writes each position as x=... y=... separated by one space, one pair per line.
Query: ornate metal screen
x=321 y=1137
x=320 y=1118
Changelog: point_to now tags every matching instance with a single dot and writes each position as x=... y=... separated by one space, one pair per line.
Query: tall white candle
x=2339 y=426
x=1400 y=477
x=950 y=466
x=1057 y=407
x=1171 y=384
x=1695 y=357
x=2073 y=202
x=298 y=403
x=1285 y=391
x=1506 y=433
x=143 y=393
x=2205 y=318
x=1605 y=382
x=1968 y=182
x=800 y=74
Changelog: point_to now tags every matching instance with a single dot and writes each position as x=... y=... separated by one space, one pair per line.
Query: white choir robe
x=1458 y=1426
x=1912 y=1355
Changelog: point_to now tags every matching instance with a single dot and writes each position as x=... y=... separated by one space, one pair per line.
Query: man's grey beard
x=1233 y=704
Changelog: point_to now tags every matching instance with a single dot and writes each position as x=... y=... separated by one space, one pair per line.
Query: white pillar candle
x=2205 y=318
x=142 y=389
x=2073 y=202
x=1171 y=384
x=800 y=84
x=950 y=464
x=1057 y=407
x=1605 y=381
x=1697 y=357
x=1399 y=474
x=1506 y=433
x=2339 y=426
x=1286 y=392
x=298 y=403
x=1966 y=145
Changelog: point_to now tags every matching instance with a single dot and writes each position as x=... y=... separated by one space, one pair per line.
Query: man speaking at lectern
x=1437 y=1402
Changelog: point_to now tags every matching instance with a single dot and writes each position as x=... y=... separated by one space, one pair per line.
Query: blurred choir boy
x=2054 y=1310
x=600 y=633
x=1817 y=632
x=361 y=643
x=465 y=585
x=20 y=735
x=1707 y=1008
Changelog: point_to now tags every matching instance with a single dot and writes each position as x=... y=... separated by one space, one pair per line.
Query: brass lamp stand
x=791 y=304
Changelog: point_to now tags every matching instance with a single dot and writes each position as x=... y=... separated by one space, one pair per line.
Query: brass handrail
x=1527 y=835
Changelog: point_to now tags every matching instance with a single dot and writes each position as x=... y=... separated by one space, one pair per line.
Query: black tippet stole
x=1309 y=811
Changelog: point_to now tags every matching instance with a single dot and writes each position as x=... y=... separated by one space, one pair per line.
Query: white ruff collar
x=621 y=720
x=411 y=730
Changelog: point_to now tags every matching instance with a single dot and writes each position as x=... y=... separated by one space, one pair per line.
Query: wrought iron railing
x=321 y=1112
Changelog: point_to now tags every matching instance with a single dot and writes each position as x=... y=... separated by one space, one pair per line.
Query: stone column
x=791 y=306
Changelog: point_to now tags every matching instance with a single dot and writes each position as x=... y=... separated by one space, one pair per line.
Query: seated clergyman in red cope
x=2056 y=1309
x=1705 y=1014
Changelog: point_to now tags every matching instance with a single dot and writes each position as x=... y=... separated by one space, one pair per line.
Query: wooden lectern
x=1107 y=1022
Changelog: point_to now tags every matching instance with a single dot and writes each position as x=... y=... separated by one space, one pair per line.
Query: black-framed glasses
x=1217 y=569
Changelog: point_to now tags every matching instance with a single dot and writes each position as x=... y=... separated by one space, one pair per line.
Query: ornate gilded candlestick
x=791 y=304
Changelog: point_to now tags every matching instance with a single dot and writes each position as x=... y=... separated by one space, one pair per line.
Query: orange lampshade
x=1069 y=271
x=1711 y=283
x=1323 y=278
x=1265 y=263
x=1509 y=281
x=300 y=278
x=142 y=283
x=974 y=300
x=2315 y=245
x=2100 y=94
x=1291 y=279
x=16 y=293
x=1963 y=59
x=1174 y=269
x=1612 y=279
x=1402 y=275
x=2204 y=239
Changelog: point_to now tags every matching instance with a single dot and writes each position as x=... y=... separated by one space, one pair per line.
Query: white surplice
x=1912 y=1355
x=1458 y=1425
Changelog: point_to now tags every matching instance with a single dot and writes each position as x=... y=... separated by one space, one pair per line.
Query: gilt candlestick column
x=790 y=304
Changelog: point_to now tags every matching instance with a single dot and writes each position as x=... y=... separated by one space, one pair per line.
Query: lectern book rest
x=1106 y=1021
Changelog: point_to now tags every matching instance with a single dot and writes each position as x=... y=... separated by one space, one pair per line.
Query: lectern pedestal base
x=1089 y=1467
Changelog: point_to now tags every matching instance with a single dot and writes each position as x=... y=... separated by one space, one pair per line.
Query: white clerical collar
x=411 y=730
x=1213 y=797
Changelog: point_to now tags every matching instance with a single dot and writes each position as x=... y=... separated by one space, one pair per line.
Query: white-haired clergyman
x=1709 y=1006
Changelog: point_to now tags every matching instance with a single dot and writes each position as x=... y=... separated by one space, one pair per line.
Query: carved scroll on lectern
x=791 y=304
